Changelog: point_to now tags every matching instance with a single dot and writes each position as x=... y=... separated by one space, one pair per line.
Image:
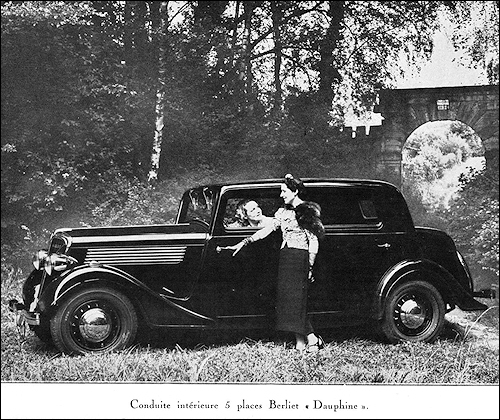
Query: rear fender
x=407 y=270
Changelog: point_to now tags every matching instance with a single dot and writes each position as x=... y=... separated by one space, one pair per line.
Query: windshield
x=197 y=204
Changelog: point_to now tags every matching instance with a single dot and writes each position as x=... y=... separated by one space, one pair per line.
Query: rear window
x=345 y=206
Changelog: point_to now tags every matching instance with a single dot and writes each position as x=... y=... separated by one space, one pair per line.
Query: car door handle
x=219 y=249
x=386 y=245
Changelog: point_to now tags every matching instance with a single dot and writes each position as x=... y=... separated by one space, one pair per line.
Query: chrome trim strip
x=146 y=237
x=307 y=183
x=158 y=225
x=145 y=250
x=249 y=186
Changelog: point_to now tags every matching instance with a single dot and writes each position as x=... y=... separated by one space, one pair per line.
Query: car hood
x=124 y=230
x=83 y=237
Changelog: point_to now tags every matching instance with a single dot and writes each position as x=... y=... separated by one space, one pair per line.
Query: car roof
x=310 y=181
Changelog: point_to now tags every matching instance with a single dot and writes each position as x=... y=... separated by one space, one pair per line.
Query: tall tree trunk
x=140 y=35
x=249 y=8
x=278 y=94
x=329 y=74
x=234 y=35
x=160 y=95
x=128 y=33
x=135 y=37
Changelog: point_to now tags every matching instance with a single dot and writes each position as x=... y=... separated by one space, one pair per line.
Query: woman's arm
x=313 y=242
x=260 y=234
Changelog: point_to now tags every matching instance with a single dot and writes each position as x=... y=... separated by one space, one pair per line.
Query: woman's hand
x=236 y=248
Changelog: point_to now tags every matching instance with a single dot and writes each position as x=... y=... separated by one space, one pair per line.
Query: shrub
x=473 y=218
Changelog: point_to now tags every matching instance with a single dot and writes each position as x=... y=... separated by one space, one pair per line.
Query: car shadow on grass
x=203 y=339
x=453 y=331
x=166 y=339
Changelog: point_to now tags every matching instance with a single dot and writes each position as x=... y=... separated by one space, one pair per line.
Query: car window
x=345 y=206
x=340 y=206
x=198 y=205
x=232 y=218
x=368 y=209
x=268 y=200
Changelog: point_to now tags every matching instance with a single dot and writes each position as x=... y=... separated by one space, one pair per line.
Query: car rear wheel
x=413 y=312
x=95 y=320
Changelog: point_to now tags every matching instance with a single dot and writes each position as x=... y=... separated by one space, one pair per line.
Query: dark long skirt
x=291 y=292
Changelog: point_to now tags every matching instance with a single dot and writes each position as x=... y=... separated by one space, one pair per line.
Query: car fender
x=85 y=273
x=88 y=273
x=422 y=269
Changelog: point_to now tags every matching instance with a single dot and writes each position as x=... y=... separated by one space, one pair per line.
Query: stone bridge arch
x=404 y=110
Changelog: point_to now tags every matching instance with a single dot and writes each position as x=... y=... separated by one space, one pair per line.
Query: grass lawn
x=466 y=353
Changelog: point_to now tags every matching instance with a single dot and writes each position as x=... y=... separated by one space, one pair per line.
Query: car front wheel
x=413 y=312
x=95 y=320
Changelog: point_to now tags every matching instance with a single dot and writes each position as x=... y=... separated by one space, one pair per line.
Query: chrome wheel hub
x=412 y=314
x=95 y=325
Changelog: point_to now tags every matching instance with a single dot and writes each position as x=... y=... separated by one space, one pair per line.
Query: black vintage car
x=94 y=288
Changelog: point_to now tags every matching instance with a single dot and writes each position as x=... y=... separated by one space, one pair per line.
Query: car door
x=357 y=249
x=240 y=288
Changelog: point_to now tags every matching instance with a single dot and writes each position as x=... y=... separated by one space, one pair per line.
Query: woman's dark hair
x=294 y=184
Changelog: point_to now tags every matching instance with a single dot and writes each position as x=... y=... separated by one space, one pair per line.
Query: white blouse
x=293 y=235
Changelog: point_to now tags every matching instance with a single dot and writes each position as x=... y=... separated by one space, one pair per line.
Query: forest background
x=111 y=109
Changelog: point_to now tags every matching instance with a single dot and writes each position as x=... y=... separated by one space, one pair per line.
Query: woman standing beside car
x=301 y=228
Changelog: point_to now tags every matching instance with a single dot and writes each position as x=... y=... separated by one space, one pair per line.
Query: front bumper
x=22 y=315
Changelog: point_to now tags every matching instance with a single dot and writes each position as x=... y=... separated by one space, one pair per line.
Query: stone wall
x=404 y=110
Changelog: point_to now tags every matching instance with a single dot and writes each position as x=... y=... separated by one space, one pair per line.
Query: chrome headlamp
x=39 y=259
x=58 y=262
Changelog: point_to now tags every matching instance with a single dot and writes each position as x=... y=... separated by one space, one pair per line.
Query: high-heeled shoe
x=317 y=346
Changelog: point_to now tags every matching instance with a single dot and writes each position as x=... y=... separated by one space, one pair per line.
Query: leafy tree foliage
x=473 y=218
x=467 y=211
x=431 y=154
x=475 y=32
x=252 y=88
